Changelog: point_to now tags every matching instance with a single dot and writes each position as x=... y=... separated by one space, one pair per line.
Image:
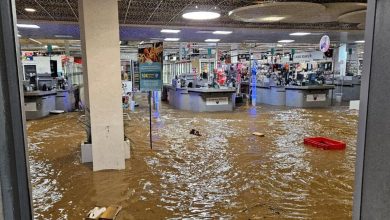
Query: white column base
x=86 y=151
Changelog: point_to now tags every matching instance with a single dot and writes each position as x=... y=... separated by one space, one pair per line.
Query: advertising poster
x=150 y=57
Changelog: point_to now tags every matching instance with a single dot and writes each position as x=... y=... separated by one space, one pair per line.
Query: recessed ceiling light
x=359 y=41
x=362 y=52
x=222 y=32
x=286 y=41
x=33 y=40
x=212 y=40
x=19 y=35
x=171 y=31
x=201 y=15
x=273 y=18
x=27 y=26
x=171 y=39
x=300 y=34
x=30 y=10
x=63 y=36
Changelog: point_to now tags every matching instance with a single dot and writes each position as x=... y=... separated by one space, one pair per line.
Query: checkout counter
x=348 y=88
x=271 y=95
x=202 y=99
x=315 y=96
x=38 y=104
x=41 y=96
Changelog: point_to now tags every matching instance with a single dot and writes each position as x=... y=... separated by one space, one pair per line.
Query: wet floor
x=227 y=173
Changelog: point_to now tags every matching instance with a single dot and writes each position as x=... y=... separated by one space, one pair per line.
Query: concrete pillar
x=181 y=47
x=1 y=204
x=15 y=199
x=234 y=53
x=99 y=29
x=67 y=50
x=372 y=176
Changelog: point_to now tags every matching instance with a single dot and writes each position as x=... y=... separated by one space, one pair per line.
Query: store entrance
x=253 y=113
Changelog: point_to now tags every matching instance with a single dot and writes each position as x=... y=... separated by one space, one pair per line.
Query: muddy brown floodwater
x=227 y=173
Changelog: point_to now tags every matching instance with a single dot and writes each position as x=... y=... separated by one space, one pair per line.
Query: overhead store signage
x=324 y=43
x=293 y=51
x=49 y=48
x=244 y=56
x=150 y=57
x=308 y=57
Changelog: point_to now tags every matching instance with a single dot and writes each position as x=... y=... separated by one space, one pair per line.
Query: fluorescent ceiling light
x=33 y=40
x=212 y=40
x=204 y=32
x=222 y=32
x=63 y=36
x=201 y=15
x=171 y=39
x=171 y=31
x=19 y=35
x=273 y=18
x=300 y=34
x=286 y=41
x=27 y=26
x=142 y=42
x=30 y=10
x=279 y=45
x=360 y=41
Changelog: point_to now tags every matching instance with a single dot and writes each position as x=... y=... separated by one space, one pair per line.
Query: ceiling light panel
x=286 y=41
x=212 y=40
x=30 y=10
x=204 y=32
x=300 y=34
x=171 y=39
x=201 y=15
x=33 y=26
x=222 y=32
x=63 y=36
x=170 y=31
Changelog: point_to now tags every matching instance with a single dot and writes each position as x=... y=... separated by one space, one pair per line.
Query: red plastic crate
x=325 y=143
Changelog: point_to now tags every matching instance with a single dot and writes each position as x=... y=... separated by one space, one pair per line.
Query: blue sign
x=150 y=58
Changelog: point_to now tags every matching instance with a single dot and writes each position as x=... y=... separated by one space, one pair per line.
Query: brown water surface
x=226 y=173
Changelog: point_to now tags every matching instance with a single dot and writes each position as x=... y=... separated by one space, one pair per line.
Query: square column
x=15 y=189
x=99 y=29
x=372 y=176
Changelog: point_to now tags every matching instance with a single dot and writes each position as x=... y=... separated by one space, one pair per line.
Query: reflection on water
x=225 y=173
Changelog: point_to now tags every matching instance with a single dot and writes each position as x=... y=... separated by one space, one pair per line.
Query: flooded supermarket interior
x=201 y=109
